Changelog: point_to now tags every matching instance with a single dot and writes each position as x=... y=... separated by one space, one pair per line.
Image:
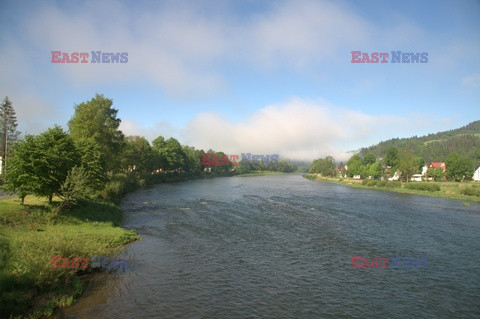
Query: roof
x=437 y=164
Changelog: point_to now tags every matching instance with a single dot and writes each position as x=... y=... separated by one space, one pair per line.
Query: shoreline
x=448 y=190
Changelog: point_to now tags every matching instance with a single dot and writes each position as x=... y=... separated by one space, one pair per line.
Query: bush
x=430 y=187
x=472 y=191
x=393 y=184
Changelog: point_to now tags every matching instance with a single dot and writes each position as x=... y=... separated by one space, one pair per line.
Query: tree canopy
x=97 y=120
x=40 y=164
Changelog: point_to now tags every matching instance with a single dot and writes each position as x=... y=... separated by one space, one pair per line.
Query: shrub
x=430 y=187
x=472 y=191
x=393 y=184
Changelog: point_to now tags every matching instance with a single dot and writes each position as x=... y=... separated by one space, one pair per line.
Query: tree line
x=435 y=147
x=400 y=161
x=83 y=160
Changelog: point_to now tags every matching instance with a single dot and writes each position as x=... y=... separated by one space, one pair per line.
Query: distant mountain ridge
x=435 y=147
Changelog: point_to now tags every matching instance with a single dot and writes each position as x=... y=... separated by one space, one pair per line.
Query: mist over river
x=281 y=246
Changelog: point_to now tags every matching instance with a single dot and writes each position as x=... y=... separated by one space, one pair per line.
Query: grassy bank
x=31 y=234
x=467 y=191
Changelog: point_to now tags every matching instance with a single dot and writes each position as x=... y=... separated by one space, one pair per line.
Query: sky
x=265 y=77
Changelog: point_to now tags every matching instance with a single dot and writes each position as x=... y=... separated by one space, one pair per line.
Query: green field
x=467 y=191
x=31 y=234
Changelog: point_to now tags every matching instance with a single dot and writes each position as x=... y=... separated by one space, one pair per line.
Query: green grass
x=31 y=234
x=469 y=191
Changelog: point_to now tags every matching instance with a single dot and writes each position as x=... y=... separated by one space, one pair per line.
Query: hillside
x=435 y=147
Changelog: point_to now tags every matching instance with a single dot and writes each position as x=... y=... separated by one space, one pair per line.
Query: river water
x=281 y=246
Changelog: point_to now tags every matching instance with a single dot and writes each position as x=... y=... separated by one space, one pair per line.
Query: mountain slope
x=435 y=147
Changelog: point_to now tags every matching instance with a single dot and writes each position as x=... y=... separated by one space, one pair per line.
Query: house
x=416 y=177
x=476 y=175
x=395 y=177
x=341 y=169
x=437 y=165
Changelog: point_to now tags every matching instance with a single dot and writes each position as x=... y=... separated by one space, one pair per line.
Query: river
x=281 y=246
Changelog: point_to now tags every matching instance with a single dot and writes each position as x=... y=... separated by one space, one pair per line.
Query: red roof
x=438 y=164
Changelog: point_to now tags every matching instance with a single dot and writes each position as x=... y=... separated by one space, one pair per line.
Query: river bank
x=466 y=191
x=32 y=233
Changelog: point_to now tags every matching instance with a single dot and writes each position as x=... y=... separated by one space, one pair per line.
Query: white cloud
x=130 y=127
x=298 y=129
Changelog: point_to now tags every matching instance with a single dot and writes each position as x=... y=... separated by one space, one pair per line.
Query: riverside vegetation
x=68 y=185
x=467 y=191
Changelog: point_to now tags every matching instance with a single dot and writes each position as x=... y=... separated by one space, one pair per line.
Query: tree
x=172 y=155
x=97 y=120
x=375 y=170
x=391 y=159
x=324 y=166
x=355 y=166
x=74 y=187
x=407 y=164
x=40 y=164
x=436 y=173
x=22 y=164
x=458 y=167
x=369 y=159
x=8 y=130
x=93 y=164
x=138 y=155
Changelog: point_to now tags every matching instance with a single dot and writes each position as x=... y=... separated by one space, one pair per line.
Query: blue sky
x=248 y=76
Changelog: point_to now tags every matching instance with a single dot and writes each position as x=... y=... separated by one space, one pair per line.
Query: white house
x=395 y=177
x=476 y=175
x=416 y=177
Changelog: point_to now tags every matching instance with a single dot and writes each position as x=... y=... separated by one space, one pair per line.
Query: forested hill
x=435 y=147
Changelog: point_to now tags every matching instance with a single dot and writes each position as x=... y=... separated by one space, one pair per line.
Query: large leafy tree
x=391 y=159
x=139 y=155
x=407 y=164
x=458 y=167
x=369 y=159
x=324 y=166
x=97 y=120
x=172 y=155
x=40 y=164
x=93 y=165
x=8 y=130
x=355 y=166
x=20 y=179
x=375 y=170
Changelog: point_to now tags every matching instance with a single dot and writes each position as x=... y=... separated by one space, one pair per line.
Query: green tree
x=355 y=166
x=74 y=187
x=407 y=164
x=369 y=159
x=93 y=164
x=97 y=120
x=41 y=164
x=8 y=130
x=436 y=173
x=391 y=159
x=22 y=164
x=458 y=167
x=324 y=166
x=172 y=155
x=375 y=170
x=138 y=155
